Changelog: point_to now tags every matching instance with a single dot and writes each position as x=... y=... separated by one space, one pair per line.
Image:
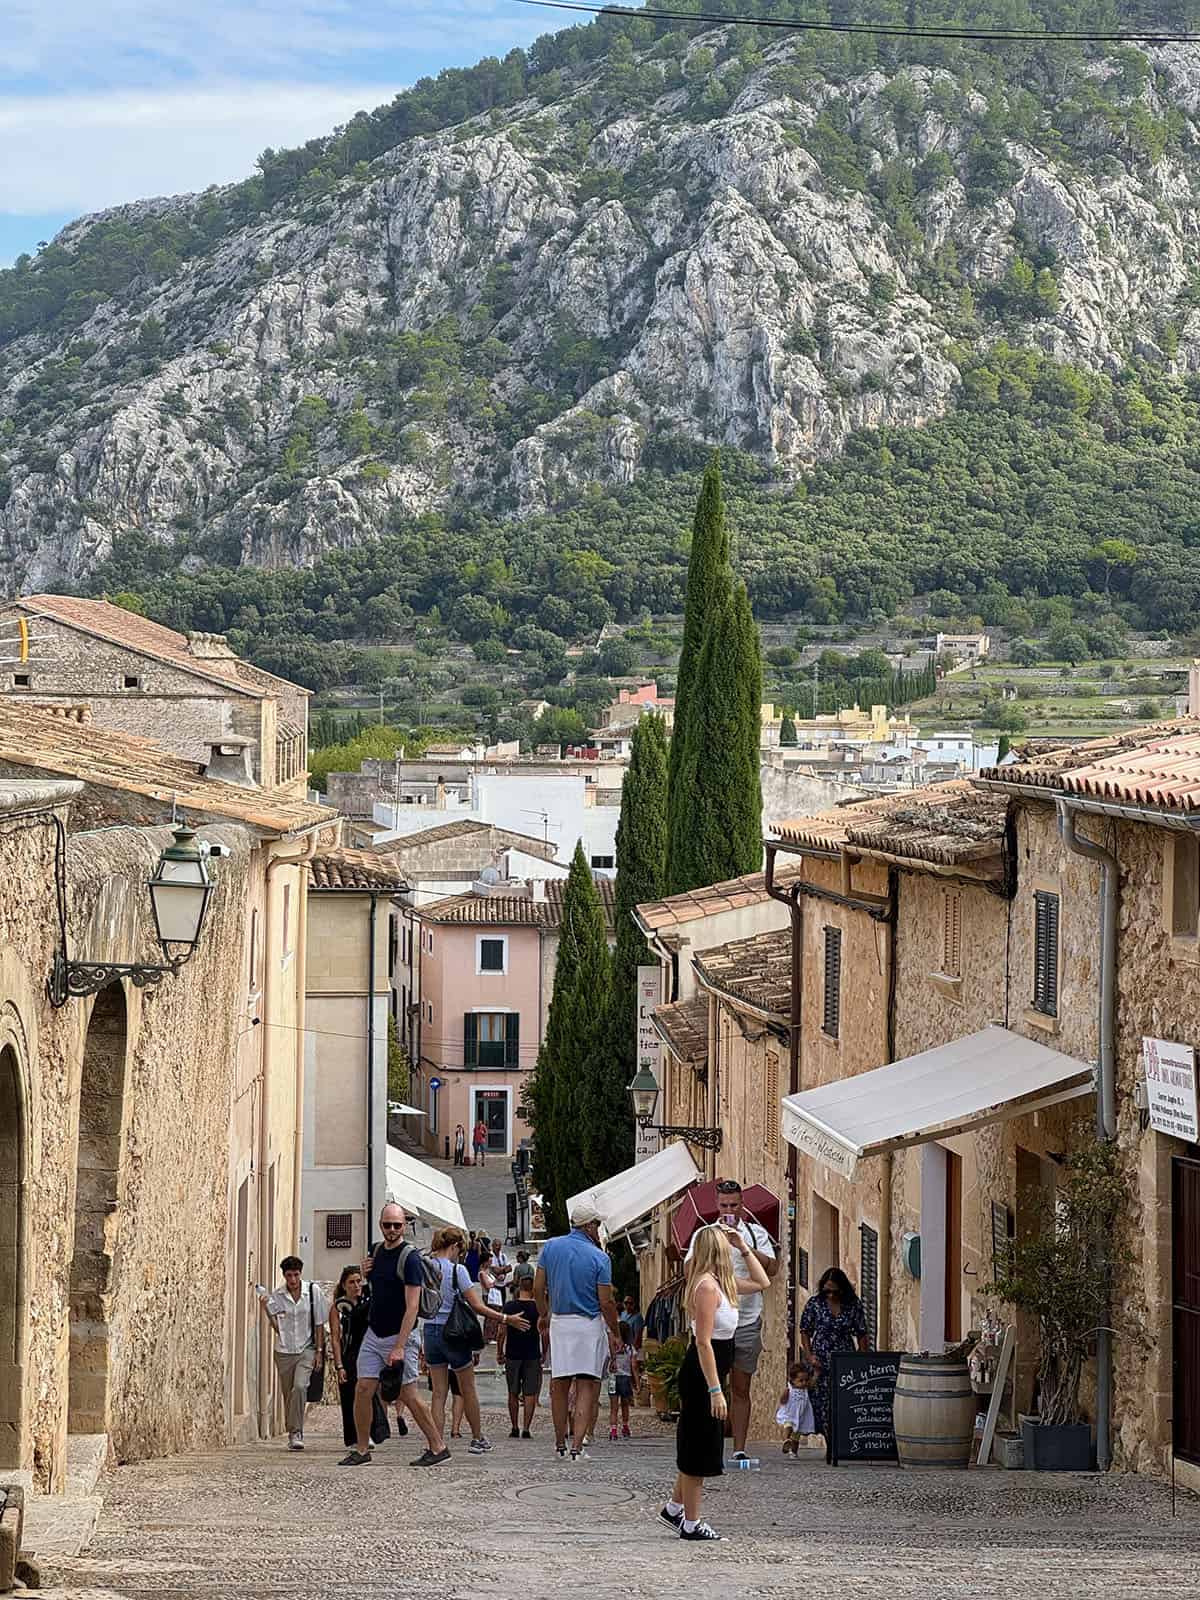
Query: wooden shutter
x=1045 y=954
x=868 y=1281
x=771 y=1108
x=802 y=1266
x=833 y=982
x=470 y=1040
x=952 y=934
x=1001 y=1238
x=512 y=1039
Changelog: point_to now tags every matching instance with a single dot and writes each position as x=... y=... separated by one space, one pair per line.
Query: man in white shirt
x=748 y=1338
x=298 y=1312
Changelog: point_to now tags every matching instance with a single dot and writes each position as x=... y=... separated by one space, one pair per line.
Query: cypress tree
x=718 y=783
x=787 y=729
x=707 y=583
x=641 y=869
x=555 y=1094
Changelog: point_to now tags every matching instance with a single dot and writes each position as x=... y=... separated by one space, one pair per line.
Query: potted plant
x=1059 y=1272
x=662 y=1369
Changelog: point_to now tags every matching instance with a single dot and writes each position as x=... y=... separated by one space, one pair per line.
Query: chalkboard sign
x=862 y=1387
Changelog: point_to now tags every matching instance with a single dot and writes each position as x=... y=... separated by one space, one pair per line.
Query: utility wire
x=887 y=30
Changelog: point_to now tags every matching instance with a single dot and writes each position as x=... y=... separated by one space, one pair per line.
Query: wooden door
x=1185 y=1242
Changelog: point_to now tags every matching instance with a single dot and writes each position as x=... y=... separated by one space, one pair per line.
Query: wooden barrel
x=934 y=1412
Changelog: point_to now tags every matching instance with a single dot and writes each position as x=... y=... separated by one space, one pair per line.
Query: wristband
x=714 y=1388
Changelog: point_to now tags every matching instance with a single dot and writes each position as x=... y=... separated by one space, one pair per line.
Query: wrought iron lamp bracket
x=73 y=979
x=704 y=1138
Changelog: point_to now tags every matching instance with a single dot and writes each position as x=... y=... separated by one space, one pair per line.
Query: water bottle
x=748 y=1464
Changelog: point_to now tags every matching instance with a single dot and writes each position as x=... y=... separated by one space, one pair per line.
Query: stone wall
x=787 y=792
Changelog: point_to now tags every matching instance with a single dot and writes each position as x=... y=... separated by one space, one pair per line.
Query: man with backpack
x=403 y=1288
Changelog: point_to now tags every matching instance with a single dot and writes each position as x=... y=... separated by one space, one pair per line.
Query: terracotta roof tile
x=355 y=870
x=757 y=970
x=501 y=910
x=1157 y=766
x=684 y=1027
x=708 y=901
x=111 y=760
x=946 y=824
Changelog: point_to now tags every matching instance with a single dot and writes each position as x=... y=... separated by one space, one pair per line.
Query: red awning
x=701 y=1204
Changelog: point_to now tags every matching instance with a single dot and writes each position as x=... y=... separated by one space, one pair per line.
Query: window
x=1185 y=886
x=1045 y=953
x=339 y=1230
x=771 y=1113
x=130 y=681
x=491 y=1039
x=868 y=1281
x=21 y=680
x=604 y=861
x=832 y=1017
x=491 y=954
x=393 y=923
x=951 y=933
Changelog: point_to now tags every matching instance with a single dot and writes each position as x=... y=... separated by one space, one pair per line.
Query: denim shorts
x=443 y=1352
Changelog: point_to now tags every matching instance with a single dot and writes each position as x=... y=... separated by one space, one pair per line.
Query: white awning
x=987 y=1077
x=634 y=1193
x=401 y=1108
x=420 y=1187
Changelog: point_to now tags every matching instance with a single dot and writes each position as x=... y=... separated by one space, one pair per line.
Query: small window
x=832 y=1017
x=131 y=681
x=491 y=955
x=604 y=861
x=21 y=680
x=339 y=1230
x=1045 y=953
x=952 y=934
x=491 y=1039
x=1185 y=886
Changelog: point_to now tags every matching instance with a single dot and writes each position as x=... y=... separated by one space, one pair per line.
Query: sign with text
x=1171 y=1087
x=649 y=1051
x=815 y=1142
x=862 y=1387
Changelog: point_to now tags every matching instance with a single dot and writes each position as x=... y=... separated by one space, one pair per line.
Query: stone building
x=151 y=1136
x=189 y=693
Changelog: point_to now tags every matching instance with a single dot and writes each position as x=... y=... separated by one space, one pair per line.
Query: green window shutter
x=470 y=1040
x=512 y=1039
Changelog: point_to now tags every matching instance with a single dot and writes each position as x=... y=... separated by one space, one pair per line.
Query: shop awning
x=420 y=1187
x=634 y=1193
x=401 y=1108
x=987 y=1077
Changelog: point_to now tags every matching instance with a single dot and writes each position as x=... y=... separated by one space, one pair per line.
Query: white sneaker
x=580 y=1455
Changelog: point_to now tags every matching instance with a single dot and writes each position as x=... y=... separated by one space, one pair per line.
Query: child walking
x=623 y=1378
x=795 y=1412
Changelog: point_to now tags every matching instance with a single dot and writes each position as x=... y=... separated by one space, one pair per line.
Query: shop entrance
x=13 y=1163
x=491 y=1107
x=1185 y=1292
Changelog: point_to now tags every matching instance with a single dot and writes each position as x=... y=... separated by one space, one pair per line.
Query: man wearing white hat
x=574 y=1293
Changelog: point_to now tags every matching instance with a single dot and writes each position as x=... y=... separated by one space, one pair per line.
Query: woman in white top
x=711 y=1288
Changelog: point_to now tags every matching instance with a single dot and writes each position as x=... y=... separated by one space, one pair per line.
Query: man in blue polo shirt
x=574 y=1292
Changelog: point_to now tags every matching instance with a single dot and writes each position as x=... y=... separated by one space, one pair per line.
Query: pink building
x=483 y=976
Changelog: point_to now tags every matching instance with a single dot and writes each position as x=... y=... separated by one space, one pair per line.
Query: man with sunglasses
x=748 y=1336
x=391 y=1340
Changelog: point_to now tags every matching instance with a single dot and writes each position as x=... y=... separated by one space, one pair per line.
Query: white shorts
x=578 y=1346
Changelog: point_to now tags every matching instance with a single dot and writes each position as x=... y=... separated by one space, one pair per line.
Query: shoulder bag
x=316 y=1378
x=462 y=1325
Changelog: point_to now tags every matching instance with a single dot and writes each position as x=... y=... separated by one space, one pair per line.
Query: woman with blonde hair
x=719 y=1268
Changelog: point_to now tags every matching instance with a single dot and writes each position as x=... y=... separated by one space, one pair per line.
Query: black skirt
x=699 y=1436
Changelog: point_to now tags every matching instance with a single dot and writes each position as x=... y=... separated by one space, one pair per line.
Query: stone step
x=87 y=1456
x=60 y=1525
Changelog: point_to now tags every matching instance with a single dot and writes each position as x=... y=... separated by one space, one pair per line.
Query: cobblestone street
x=521 y=1525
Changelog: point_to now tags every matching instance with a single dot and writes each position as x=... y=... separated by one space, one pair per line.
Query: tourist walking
x=524 y=1271
x=833 y=1320
x=460 y=1145
x=521 y=1353
x=395 y=1274
x=347 y=1329
x=479 y=1141
x=445 y=1350
x=574 y=1293
x=635 y=1319
x=713 y=1285
x=623 y=1378
x=298 y=1311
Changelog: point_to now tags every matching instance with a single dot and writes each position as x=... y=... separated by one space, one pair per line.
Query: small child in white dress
x=795 y=1412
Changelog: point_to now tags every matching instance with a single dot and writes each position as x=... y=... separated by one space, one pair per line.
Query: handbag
x=462 y=1325
x=316 y=1378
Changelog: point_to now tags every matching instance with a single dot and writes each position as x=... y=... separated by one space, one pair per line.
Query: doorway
x=1185 y=1296
x=826 y=1237
x=941 y=1247
x=97 y=1179
x=491 y=1108
x=13 y=1166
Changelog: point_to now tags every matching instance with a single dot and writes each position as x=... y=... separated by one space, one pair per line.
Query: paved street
x=520 y=1525
x=481 y=1190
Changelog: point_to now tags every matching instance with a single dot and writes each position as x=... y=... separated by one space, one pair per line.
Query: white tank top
x=725 y=1320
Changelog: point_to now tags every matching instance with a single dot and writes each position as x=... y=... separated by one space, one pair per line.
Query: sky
x=104 y=101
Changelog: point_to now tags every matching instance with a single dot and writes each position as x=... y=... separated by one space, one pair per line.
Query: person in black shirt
x=347 y=1327
x=522 y=1357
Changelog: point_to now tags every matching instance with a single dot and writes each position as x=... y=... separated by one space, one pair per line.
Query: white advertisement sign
x=1171 y=1087
x=815 y=1142
x=649 y=1050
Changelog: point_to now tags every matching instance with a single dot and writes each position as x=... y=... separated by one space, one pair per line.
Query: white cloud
x=86 y=152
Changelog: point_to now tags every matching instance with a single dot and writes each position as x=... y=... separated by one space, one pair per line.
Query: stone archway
x=14 y=1165
x=101 y=1110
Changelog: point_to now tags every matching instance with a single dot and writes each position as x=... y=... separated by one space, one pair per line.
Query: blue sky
x=103 y=101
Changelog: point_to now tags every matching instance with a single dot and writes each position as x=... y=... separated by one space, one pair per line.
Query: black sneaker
x=356 y=1458
x=703 y=1532
x=527 y=1434
x=430 y=1458
x=672 y=1519
x=514 y=1433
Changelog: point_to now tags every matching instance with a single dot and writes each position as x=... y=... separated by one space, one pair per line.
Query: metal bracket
x=705 y=1138
x=73 y=979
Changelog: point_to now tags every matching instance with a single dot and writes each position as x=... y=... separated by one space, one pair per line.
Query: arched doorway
x=101 y=1108
x=14 y=1161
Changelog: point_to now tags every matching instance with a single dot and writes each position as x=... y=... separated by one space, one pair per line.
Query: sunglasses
x=388 y=1227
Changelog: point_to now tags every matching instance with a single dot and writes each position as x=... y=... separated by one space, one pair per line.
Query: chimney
x=209 y=647
x=1194 y=689
x=539 y=889
x=229 y=760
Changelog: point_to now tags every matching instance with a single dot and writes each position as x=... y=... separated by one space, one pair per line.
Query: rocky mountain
x=709 y=237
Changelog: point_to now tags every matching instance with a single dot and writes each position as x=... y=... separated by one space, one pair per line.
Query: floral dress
x=829 y=1334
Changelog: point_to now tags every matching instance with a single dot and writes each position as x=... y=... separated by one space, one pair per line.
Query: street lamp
x=643 y=1092
x=180 y=889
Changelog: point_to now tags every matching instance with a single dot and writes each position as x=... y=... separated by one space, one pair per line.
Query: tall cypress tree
x=555 y=1094
x=641 y=868
x=718 y=782
x=707 y=584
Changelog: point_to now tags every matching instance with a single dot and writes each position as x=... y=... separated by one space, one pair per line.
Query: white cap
x=583 y=1212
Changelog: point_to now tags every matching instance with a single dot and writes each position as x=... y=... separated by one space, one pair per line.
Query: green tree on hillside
x=787 y=729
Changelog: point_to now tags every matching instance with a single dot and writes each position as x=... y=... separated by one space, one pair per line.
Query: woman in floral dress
x=833 y=1320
